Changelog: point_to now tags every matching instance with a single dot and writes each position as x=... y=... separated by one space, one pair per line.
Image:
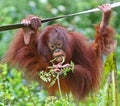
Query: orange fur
x=86 y=56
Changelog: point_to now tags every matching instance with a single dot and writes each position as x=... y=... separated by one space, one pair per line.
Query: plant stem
x=114 y=81
x=114 y=88
x=58 y=80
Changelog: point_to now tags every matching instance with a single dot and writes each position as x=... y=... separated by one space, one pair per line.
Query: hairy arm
x=105 y=35
x=23 y=49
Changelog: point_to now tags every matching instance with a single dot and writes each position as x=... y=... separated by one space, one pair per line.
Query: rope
x=16 y=26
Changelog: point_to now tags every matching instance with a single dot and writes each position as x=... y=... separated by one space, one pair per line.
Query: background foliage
x=14 y=90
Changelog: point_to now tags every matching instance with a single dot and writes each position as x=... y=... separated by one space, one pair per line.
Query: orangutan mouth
x=60 y=58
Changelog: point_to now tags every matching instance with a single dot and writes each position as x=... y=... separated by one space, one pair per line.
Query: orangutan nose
x=57 y=50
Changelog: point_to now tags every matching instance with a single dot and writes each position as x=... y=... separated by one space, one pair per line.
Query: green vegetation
x=16 y=91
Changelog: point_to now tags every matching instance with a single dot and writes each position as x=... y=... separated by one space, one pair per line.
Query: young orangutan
x=32 y=50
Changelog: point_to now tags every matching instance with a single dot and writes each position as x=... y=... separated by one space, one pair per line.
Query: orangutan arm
x=104 y=39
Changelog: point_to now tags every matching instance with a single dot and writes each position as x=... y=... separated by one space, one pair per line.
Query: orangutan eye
x=51 y=46
x=59 y=45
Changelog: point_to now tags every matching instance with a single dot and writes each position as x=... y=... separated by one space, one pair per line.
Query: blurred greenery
x=14 y=90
